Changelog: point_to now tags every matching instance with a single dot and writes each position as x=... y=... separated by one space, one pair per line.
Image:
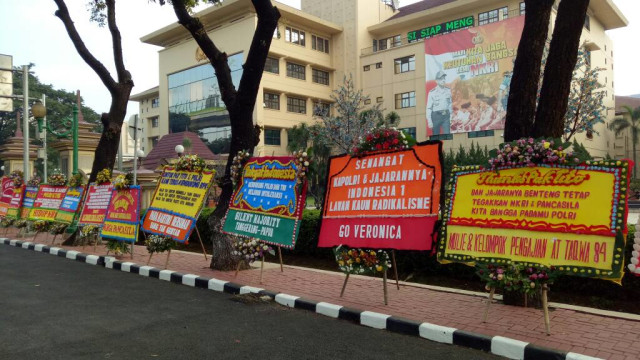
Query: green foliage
x=59 y=105
x=474 y=156
x=621 y=124
x=318 y=152
x=220 y=145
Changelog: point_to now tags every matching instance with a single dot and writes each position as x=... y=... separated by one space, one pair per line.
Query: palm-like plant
x=632 y=123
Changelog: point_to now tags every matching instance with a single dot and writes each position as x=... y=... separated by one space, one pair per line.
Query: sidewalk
x=575 y=331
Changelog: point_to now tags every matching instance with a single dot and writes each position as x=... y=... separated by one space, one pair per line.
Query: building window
x=390 y=42
x=477 y=134
x=271 y=101
x=406 y=100
x=272 y=65
x=294 y=36
x=155 y=103
x=321 y=109
x=410 y=131
x=296 y=105
x=367 y=101
x=379 y=65
x=296 y=71
x=491 y=16
x=154 y=122
x=379 y=99
x=320 y=44
x=366 y=68
x=405 y=64
x=587 y=57
x=154 y=141
x=505 y=12
x=441 y=137
x=272 y=137
x=320 y=77
x=522 y=8
x=587 y=22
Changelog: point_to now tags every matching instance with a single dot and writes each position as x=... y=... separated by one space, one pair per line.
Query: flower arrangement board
x=30 y=194
x=268 y=202
x=47 y=202
x=570 y=217
x=14 y=210
x=70 y=204
x=177 y=202
x=7 y=194
x=122 y=219
x=383 y=200
x=96 y=204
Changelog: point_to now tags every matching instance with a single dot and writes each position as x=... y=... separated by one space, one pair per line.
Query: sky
x=39 y=37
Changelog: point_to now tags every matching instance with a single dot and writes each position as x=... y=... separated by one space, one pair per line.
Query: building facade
x=380 y=46
x=149 y=118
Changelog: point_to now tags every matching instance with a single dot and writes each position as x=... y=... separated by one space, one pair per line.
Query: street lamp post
x=39 y=112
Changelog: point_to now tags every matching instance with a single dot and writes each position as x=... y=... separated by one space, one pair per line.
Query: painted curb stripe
x=474 y=341
x=509 y=348
x=537 y=352
x=403 y=326
x=349 y=314
x=305 y=304
x=374 y=320
x=497 y=345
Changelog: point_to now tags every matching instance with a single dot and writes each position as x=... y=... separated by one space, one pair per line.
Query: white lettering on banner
x=378 y=231
x=180 y=223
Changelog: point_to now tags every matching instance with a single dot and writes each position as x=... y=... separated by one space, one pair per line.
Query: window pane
x=271 y=101
x=272 y=137
x=296 y=105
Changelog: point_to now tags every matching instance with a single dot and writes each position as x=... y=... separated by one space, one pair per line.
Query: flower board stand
x=384 y=286
x=545 y=307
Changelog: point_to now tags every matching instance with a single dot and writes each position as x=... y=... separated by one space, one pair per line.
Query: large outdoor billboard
x=468 y=74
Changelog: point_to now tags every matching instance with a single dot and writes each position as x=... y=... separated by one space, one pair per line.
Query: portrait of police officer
x=439 y=106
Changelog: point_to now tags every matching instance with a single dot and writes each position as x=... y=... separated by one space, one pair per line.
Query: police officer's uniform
x=439 y=104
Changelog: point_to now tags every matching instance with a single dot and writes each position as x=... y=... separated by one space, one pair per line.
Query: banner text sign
x=96 y=204
x=177 y=202
x=573 y=218
x=7 y=193
x=70 y=204
x=31 y=192
x=47 y=202
x=14 y=210
x=268 y=203
x=123 y=215
x=387 y=200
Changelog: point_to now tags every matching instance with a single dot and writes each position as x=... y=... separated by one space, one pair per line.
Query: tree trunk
x=105 y=155
x=521 y=106
x=563 y=55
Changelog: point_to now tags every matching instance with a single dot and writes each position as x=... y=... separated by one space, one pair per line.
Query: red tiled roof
x=165 y=149
x=631 y=101
x=417 y=7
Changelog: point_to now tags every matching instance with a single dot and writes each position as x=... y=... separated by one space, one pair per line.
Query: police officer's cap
x=440 y=74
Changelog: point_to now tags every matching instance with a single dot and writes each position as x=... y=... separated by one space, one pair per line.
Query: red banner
x=123 y=215
x=16 y=202
x=383 y=200
x=96 y=204
x=7 y=194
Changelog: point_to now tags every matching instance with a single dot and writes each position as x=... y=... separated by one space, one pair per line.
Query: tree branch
x=217 y=58
x=117 y=42
x=100 y=70
x=268 y=16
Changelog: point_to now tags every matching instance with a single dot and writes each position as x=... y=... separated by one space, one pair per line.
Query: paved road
x=53 y=308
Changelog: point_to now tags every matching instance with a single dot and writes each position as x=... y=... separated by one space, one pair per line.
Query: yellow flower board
x=572 y=218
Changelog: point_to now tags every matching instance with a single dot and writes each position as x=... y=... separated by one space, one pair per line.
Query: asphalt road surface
x=54 y=308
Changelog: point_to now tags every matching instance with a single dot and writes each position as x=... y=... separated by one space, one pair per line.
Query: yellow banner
x=119 y=230
x=536 y=197
x=539 y=247
x=182 y=192
x=572 y=218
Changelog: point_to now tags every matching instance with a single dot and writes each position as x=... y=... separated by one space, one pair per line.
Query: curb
x=498 y=345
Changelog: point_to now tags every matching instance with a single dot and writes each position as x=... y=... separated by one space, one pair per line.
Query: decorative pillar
x=12 y=152
x=87 y=144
